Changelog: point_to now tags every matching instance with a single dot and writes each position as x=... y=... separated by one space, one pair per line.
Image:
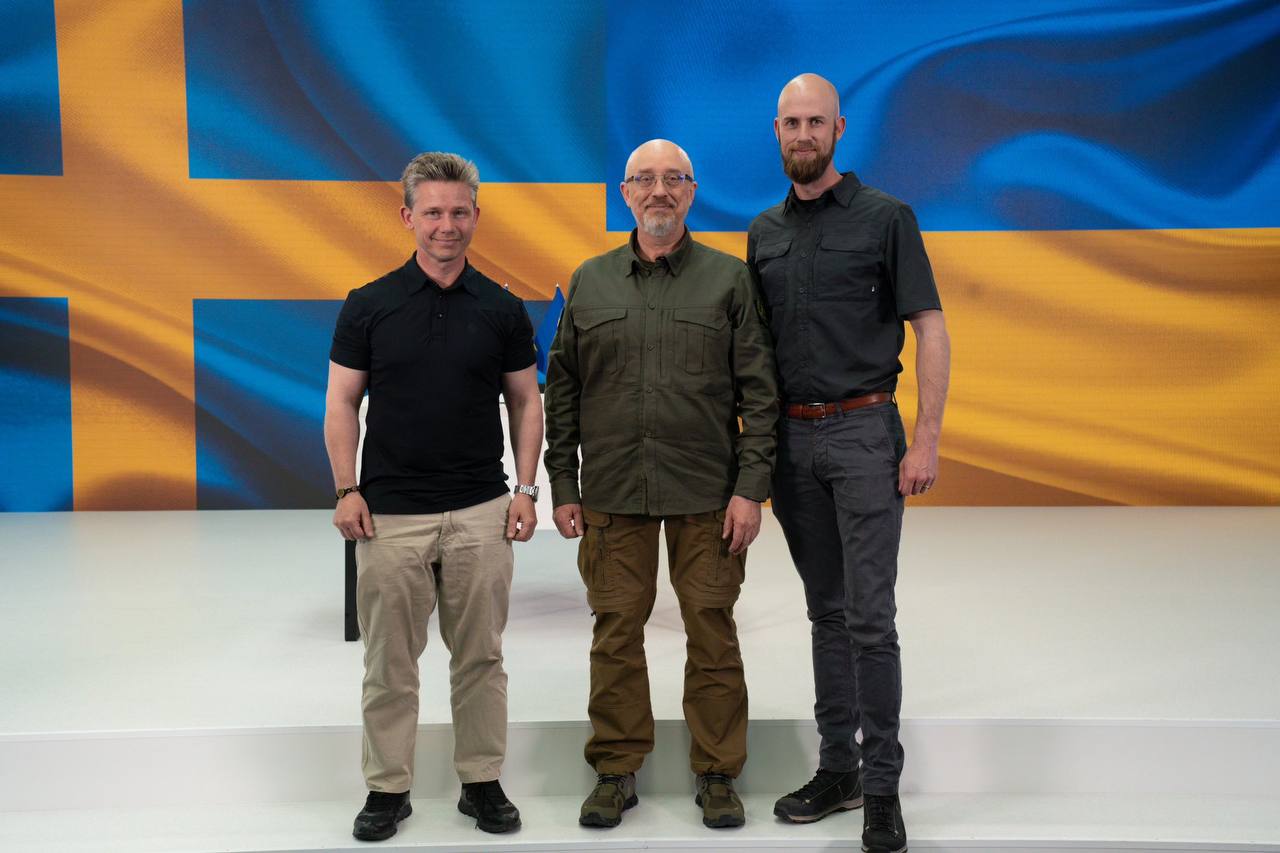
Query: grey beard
x=658 y=223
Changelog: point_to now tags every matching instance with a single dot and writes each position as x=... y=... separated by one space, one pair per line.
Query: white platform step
x=937 y=822
x=273 y=765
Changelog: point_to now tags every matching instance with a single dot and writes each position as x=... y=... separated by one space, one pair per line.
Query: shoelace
x=880 y=813
x=611 y=779
x=716 y=779
x=821 y=780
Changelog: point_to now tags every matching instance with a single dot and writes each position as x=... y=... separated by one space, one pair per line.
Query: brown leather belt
x=813 y=411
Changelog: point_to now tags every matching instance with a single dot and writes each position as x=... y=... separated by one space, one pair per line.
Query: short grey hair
x=439 y=166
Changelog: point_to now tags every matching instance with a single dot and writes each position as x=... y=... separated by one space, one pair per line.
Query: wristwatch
x=342 y=493
x=531 y=491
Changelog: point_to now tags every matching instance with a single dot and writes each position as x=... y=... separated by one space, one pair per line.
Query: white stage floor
x=184 y=620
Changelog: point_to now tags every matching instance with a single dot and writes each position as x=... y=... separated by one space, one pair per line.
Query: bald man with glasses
x=661 y=349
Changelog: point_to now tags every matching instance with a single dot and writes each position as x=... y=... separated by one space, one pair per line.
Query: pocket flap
x=711 y=317
x=775 y=249
x=589 y=318
x=851 y=242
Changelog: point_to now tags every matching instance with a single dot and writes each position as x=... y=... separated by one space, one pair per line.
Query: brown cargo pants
x=618 y=559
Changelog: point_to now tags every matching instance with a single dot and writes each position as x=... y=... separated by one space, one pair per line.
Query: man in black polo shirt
x=841 y=266
x=434 y=343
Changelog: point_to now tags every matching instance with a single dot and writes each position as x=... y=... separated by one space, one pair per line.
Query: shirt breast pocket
x=701 y=338
x=847 y=267
x=771 y=261
x=602 y=342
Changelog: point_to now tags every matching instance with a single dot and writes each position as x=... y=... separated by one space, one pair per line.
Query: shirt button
x=648 y=389
x=440 y=315
x=804 y=254
x=650 y=347
x=652 y=306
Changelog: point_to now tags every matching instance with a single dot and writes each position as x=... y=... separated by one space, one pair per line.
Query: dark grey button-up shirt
x=839 y=274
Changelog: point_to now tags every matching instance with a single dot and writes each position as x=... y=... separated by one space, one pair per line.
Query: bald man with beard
x=661 y=349
x=842 y=267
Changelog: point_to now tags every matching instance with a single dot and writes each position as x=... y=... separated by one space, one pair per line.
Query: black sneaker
x=377 y=820
x=485 y=802
x=882 y=827
x=828 y=791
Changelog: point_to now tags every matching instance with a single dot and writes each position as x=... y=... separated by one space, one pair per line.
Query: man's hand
x=568 y=519
x=352 y=517
x=918 y=469
x=522 y=517
x=741 y=523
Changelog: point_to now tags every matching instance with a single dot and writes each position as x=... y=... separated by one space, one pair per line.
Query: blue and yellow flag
x=189 y=189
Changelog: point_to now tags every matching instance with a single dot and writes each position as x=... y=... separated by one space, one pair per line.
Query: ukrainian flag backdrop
x=188 y=190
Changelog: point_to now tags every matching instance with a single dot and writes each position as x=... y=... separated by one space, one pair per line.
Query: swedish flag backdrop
x=188 y=190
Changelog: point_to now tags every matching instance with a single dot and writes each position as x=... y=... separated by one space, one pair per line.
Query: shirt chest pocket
x=771 y=262
x=701 y=337
x=602 y=341
x=846 y=267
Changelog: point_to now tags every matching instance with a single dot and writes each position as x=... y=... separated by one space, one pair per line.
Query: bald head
x=808 y=127
x=664 y=152
x=659 y=208
x=811 y=89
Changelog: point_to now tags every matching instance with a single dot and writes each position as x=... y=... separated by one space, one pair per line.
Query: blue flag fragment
x=547 y=333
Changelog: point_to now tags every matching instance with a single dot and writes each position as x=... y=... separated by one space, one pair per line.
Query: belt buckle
x=821 y=407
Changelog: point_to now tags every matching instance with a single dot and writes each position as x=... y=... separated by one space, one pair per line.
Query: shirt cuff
x=565 y=491
x=752 y=485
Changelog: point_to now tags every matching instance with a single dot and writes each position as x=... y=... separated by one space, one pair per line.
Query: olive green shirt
x=652 y=367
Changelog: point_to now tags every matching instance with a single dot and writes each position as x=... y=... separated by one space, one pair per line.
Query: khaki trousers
x=462 y=560
x=618 y=559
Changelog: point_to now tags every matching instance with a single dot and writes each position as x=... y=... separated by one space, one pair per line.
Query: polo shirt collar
x=842 y=193
x=414 y=279
x=675 y=260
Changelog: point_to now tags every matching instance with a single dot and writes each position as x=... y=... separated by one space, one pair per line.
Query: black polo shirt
x=435 y=357
x=839 y=274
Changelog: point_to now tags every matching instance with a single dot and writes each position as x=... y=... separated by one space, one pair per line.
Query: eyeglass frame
x=680 y=179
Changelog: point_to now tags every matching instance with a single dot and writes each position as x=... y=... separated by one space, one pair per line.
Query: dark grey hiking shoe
x=721 y=806
x=612 y=795
x=828 y=791
x=882 y=828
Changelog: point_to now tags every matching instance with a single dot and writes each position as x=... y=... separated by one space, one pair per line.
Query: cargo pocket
x=771 y=261
x=847 y=267
x=602 y=337
x=701 y=338
x=713 y=576
x=595 y=560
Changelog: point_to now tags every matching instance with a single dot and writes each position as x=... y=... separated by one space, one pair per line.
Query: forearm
x=525 y=424
x=341 y=439
x=933 y=375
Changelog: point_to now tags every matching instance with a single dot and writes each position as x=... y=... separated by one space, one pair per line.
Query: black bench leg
x=352 y=625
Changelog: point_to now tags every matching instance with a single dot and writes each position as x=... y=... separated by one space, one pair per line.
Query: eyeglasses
x=671 y=180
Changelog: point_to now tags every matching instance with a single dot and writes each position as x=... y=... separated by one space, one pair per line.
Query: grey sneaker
x=612 y=795
x=721 y=806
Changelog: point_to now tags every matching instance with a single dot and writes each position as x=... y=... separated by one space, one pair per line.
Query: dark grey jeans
x=835 y=491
